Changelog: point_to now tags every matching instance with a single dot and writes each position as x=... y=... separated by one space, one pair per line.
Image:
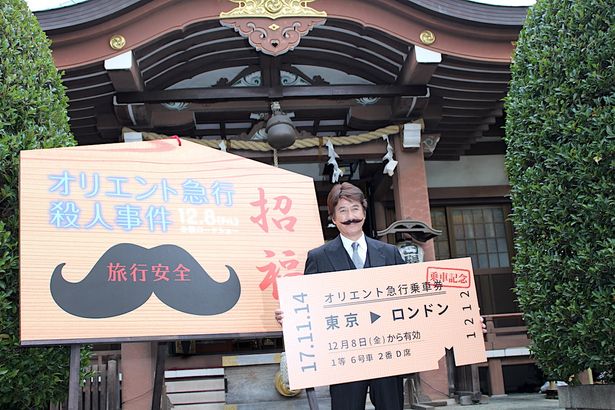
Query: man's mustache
x=352 y=221
x=126 y=275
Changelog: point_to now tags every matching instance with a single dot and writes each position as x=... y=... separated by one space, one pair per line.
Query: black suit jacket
x=332 y=256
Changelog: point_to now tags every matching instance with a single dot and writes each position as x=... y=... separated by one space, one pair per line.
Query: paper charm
x=337 y=172
x=389 y=168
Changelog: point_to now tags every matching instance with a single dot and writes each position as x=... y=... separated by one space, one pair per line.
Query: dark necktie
x=356 y=258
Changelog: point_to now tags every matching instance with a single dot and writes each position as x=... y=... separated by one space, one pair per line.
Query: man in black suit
x=353 y=250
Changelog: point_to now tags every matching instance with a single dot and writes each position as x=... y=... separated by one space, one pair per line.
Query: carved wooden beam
x=419 y=230
x=419 y=66
x=272 y=93
x=124 y=72
x=417 y=69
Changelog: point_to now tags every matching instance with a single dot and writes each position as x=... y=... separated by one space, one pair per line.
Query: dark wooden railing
x=502 y=337
x=101 y=388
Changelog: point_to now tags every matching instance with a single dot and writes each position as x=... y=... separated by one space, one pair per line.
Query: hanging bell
x=281 y=133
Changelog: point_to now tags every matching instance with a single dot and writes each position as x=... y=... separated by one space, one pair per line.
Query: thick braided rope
x=299 y=144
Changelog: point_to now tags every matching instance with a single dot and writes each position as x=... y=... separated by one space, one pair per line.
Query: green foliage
x=560 y=133
x=32 y=115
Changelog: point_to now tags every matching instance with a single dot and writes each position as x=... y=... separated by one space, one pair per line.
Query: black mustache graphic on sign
x=126 y=275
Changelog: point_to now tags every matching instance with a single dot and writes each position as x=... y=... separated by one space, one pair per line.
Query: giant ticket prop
x=157 y=241
x=377 y=322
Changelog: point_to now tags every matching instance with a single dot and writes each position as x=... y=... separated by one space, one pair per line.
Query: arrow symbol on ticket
x=374 y=316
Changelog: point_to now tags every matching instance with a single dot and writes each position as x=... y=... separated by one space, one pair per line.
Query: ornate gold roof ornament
x=117 y=42
x=273 y=9
x=252 y=19
x=427 y=37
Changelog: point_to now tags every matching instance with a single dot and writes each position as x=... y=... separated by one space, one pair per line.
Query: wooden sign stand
x=159 y=375
x=74 y=387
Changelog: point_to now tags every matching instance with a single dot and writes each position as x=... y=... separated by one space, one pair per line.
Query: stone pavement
x=509 y=402
x=251 y=388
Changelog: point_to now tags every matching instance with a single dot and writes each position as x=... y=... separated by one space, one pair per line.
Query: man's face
x=349 y=217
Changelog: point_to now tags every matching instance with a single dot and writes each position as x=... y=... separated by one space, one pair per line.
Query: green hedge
x=560 y=133
x=32 y=115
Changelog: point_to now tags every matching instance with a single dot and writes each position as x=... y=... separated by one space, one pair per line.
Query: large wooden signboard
x=156 y=241
x=377 y=322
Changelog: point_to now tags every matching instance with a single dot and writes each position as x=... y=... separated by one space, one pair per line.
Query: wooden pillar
x=412 y=202
x=380 y=218
x=410 y=185
x=138 y=368
x=496 y=378
x=476 y=395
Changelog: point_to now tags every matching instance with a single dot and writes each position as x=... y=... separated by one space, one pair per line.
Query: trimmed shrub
x=560 y=133
x=32 y=115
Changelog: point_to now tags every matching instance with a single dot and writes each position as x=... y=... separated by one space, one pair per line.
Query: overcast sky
x=50 y=4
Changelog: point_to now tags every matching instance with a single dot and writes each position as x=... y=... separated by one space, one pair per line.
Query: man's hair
x=347 y=191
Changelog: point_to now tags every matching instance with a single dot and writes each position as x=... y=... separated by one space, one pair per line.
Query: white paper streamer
x=389 y=168
x=337 y=172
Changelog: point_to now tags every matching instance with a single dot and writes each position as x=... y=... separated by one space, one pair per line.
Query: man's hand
x=279 y=316
x=483 y=324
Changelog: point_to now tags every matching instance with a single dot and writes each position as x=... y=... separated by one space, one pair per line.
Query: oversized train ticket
x=376 y=322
